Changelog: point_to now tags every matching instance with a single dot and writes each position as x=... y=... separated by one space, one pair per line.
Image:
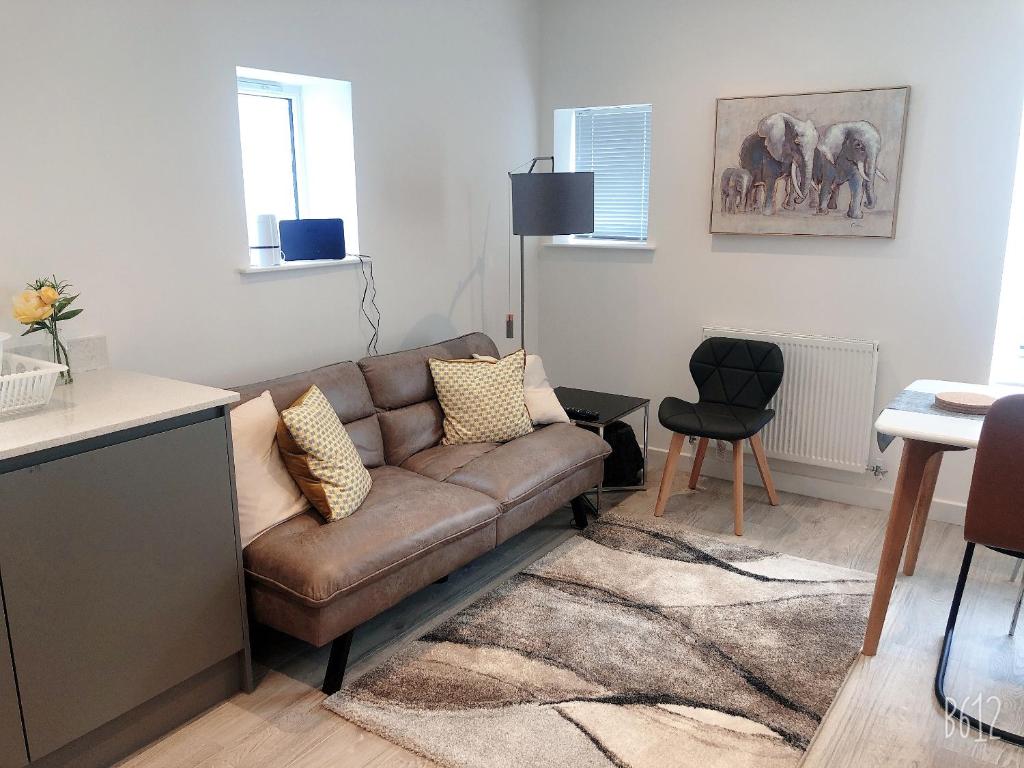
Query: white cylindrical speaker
x=266 y=252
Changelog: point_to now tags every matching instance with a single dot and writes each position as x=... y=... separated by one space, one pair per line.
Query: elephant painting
x=783 y=147
x=736 y=183
x=784 y=163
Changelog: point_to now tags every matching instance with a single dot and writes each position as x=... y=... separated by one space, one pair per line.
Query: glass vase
x=60 y=354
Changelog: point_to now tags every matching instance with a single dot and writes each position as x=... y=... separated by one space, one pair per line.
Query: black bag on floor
x=623 y=466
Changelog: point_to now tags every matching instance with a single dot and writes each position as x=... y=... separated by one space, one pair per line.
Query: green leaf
x=33 y=328
x=62 y=304
x=69 y=314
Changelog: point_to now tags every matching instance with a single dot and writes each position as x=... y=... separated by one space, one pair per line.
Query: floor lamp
x=547 y=204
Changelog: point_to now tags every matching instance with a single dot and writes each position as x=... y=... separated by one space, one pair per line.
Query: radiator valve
x=878 y=470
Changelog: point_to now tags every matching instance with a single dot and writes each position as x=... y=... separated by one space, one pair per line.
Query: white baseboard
x=819 y=488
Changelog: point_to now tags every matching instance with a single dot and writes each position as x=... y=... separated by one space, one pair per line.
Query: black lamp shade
x=552 y=203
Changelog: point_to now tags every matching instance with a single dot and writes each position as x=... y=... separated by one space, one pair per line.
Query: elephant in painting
x=736 y=184
x=782 y=147
x=847 y=154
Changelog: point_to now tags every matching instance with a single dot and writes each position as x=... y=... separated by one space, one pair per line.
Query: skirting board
x=831 y=490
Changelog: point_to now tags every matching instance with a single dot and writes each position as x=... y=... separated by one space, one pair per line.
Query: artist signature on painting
x=985 y=708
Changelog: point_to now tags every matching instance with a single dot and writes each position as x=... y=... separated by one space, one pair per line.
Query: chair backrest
x=995 y=506
x=738 y=372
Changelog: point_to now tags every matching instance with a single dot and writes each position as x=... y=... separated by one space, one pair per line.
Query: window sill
x=615 y=245
x=293 y=266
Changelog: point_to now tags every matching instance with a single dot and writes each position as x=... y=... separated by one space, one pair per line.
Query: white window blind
x=615 y=143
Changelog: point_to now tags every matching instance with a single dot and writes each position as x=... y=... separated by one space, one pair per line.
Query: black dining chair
x=994 y=519
x=736 y=379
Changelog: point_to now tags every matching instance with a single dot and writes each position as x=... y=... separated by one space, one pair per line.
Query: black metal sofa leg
x=336 y=663
x=580 y=506
x=946 y=703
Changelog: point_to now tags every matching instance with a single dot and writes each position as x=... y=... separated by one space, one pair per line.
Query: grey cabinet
x=119 y=568
x=12 y=737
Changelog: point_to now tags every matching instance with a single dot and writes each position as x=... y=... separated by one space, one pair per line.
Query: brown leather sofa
x=431 y=508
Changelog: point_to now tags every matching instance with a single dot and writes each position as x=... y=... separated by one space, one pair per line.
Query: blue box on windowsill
x=312 y=239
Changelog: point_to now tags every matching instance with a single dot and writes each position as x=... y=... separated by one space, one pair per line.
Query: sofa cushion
x=411 y=429
x=403 y=378
x=345 y=389
x=482 y=399
x=514 y=472
x=403 y=390
x=441 y=460
x=404 y=517
x=321 y=457
x=267 y=494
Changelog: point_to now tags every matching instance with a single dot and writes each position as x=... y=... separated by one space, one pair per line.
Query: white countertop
x=937 y=428
x=101 y=402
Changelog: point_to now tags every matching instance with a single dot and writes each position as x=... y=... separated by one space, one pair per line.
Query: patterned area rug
x=635 y=644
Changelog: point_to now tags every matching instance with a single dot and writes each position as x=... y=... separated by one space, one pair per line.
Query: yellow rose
x=30 y=308
x=48 y=294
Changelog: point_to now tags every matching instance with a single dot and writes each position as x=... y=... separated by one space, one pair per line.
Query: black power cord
x=371 y=289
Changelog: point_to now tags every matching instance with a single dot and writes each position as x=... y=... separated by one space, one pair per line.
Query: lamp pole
x=522 y=259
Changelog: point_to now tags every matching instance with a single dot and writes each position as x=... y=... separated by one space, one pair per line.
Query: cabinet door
x=12 y=737
x=120 y=575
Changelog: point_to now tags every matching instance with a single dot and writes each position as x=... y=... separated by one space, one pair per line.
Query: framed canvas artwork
x=809 y=163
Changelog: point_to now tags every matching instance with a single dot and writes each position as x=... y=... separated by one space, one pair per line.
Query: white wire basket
x=26 y=383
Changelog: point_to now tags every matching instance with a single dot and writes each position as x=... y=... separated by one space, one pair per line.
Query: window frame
x=569 y=146
x=274 y=89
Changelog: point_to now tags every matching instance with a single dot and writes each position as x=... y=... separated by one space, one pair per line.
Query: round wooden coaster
x=964 y=402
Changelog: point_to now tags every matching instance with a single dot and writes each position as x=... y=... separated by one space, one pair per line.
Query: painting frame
x=882 y=223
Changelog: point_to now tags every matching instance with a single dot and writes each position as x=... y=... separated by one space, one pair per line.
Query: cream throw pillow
x=267 y=495
x=541 y=401
x=322 y=457
x=482 y=400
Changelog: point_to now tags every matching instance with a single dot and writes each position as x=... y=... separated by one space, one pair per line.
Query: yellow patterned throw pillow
x=321 y=457
x=482 y=400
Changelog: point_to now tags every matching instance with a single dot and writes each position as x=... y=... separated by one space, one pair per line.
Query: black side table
x=609 y=408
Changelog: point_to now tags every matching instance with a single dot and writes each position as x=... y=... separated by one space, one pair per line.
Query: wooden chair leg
x=670 y=470
x=762 y=466
x=737 y=485
x=921 y=507
x=698 y=461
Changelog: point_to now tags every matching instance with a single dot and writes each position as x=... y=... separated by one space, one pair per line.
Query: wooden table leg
x=908 y=486
x=924 y=503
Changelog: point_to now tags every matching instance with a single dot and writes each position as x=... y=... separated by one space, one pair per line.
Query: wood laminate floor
x=885 y=715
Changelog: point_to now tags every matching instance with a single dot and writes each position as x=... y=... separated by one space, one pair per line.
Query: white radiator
x=825 y=406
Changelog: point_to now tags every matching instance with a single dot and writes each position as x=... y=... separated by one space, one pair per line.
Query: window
x=614 y=143
x=268 y=113
x=298 y=158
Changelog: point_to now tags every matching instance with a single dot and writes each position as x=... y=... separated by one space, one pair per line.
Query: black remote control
x=582 y=414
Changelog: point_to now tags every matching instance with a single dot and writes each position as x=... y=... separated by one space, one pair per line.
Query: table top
x=609 y=406
x=940 y=428
x=102 y=402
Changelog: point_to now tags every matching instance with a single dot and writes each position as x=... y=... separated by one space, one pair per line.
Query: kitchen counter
x=102 y=402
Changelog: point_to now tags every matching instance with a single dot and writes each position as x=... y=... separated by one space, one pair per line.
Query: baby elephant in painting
x=735 y=188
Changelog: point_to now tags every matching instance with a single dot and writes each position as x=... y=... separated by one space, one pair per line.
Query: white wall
x=120 y=170
x=628 y=321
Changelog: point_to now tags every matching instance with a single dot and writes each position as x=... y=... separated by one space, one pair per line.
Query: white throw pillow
x=541 y=401
x=267 y=495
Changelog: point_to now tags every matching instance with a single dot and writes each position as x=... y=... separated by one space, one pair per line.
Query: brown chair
x=736 y=379
x=995 y=519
